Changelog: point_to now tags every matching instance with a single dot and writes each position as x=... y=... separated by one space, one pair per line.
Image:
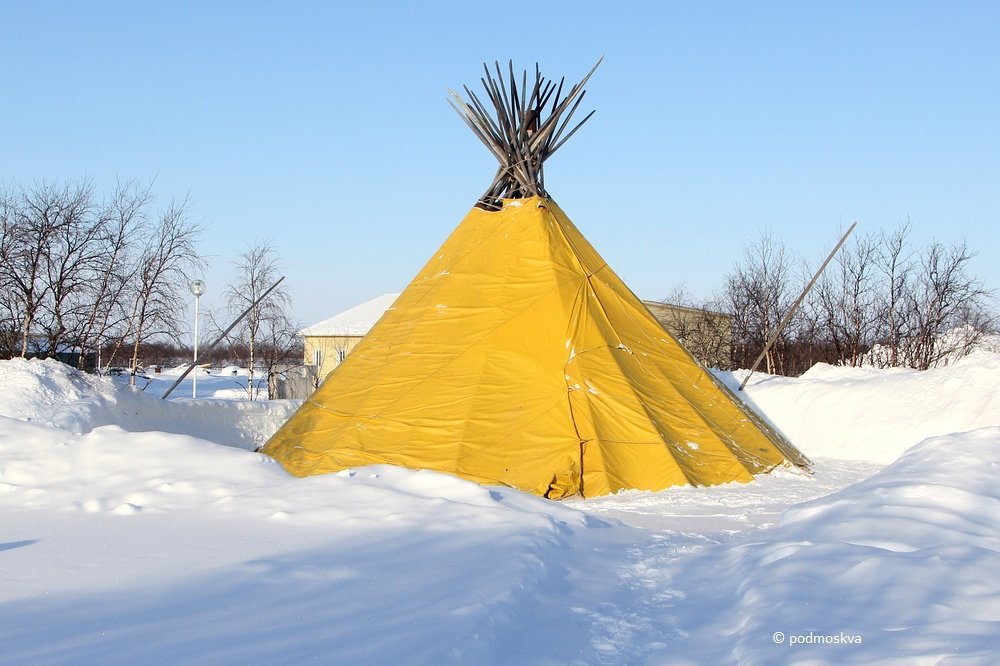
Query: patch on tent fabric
x=564 y=483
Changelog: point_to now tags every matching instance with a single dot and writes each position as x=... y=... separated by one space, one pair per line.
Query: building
x=327 y=343
x=706 y=334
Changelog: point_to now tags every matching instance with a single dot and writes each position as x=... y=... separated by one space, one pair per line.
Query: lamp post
x=197 y=288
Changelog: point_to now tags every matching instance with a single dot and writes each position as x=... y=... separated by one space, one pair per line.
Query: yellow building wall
x=332 y=351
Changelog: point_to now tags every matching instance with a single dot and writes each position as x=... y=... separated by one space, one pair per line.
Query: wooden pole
x=788 y=315
x=511 y=122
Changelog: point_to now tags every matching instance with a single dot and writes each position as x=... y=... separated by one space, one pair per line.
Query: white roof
x=356 y=321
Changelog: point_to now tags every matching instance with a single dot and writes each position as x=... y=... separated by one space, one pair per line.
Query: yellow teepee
x=518 y=357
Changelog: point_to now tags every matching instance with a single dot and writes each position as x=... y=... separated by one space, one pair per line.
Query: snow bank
x=898 y=569
x=122 y=548
x=130 y=535
x=876 y=415
x=56 y=395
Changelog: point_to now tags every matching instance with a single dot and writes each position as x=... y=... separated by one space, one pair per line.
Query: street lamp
x=197 y=288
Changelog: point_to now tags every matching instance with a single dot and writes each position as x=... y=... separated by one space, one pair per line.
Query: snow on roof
x=356 y=321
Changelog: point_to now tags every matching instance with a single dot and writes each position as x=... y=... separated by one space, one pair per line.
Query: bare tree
x=47 y=246
x=103 y=316
x=883 y=304
x=846 y=304
x=168 y=255
x=76 y=273
x=8 y=304
x=704 y=330
x=71 y=264
x=281 y=351
x=932 y=308
x=895 y=260
x=759 y=292
x=946 y=298
x=266 y=332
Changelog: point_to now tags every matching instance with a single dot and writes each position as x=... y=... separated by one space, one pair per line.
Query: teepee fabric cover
x=518 y=357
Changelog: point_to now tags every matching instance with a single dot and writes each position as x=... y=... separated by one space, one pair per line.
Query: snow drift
x=53 y=394
x=131 y=534
x=893 y=570
x=869 y=414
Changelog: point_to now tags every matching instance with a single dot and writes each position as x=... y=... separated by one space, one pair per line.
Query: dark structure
x=522 y=130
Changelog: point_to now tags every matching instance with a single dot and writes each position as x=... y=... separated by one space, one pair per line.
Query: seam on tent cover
x=588 y=288
x=720 y=433
x=554 y=219
x=728 y=442
x=586 y=291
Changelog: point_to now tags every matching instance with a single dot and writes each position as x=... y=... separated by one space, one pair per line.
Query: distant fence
x=293 y=382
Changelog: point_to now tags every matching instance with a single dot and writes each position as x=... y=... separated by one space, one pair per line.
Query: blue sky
x=324 y=127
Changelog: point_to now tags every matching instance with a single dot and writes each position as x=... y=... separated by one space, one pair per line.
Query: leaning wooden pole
x=795 y=306
x=221 y=337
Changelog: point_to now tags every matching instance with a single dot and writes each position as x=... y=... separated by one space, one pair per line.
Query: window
x=317 y=358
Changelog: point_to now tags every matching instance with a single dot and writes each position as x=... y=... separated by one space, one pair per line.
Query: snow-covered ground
x=138 y=530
